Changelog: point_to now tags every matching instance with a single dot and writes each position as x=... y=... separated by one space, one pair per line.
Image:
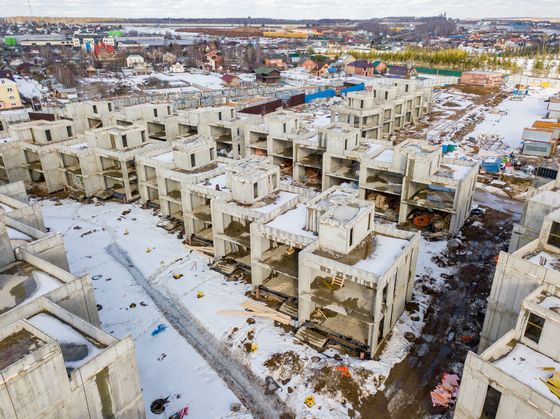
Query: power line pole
x=30 y=9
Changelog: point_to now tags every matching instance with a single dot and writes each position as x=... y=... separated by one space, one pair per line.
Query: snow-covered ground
x=198 y=80
x=511 y=116
x=29 y=88
x=168 y=365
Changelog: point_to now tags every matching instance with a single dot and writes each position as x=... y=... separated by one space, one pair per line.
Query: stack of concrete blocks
x=341 y=275
x=554 y=108
x=381 y=109
x=254 y=193
x=33 y=158
x=508 y=379
x=165 y=175
x=539 y=202
x=49 y=330
x=517 y=275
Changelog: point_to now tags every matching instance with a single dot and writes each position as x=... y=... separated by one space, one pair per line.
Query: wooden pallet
x=311 y=337
x=290 y=309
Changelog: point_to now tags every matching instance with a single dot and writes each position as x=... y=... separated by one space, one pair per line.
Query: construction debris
x=446 y=391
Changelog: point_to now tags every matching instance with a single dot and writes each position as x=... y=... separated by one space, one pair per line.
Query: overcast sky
x=313 y=9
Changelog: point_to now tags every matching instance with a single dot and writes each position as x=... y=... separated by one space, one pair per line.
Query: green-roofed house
x=268 y=75
x=10 y=41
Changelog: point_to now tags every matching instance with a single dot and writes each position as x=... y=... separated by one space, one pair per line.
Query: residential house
x=231 y=80
x=9 y=95
x=169 y=58
x=177 y=68
x=275 y=60
x=134 y=59
x=308 y=65
x=402 y=71
x=360 y=68
x=214 y=60
x=268 y=75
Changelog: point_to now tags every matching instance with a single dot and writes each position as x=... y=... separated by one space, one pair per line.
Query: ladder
x=337 y=281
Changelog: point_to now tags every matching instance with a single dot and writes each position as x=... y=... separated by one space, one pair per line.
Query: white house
x=177 y=68
x=132 y=60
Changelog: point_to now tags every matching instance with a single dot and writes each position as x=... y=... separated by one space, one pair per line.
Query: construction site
x=373 y=259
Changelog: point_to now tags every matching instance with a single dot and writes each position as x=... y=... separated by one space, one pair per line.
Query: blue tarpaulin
x=355 y=88
x=323 y=94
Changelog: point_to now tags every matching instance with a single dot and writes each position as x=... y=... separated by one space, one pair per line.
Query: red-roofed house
x=231 y=80
x=103 y=52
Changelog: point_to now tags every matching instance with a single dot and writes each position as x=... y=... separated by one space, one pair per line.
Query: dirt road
x=456 y=310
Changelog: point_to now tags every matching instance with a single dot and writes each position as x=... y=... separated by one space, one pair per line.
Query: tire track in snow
x=243 y=383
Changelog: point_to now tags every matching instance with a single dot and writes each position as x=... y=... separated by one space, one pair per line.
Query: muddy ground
x=457 y=309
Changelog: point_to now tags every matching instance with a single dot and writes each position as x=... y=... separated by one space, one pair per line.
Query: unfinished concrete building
x=517 y=275
x=381 y=109
x=442 y=192
x=164 y=175
x=355 y=280
x=14 y=205
x=49 y=329
x=161 y=121
x=539 y=202
x=308 y=159
x=78 y=164
x=88 y=115
x=412 y=179
x=346 y=279
x=223 y=124
x=276 y=244
x=516 y=376
x=116 y=149
x=33 y=157
x=341 y=160
x=255 y=193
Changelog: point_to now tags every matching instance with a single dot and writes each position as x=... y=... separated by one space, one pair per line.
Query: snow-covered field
x=199 y=81
x=168 y=365
x=512 y=116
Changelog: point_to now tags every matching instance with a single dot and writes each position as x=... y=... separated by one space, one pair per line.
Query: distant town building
x=177 y=68
x=134 y=59
x=267 y=75
x=231 y=80
x=482 y=78
x=9 y=94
